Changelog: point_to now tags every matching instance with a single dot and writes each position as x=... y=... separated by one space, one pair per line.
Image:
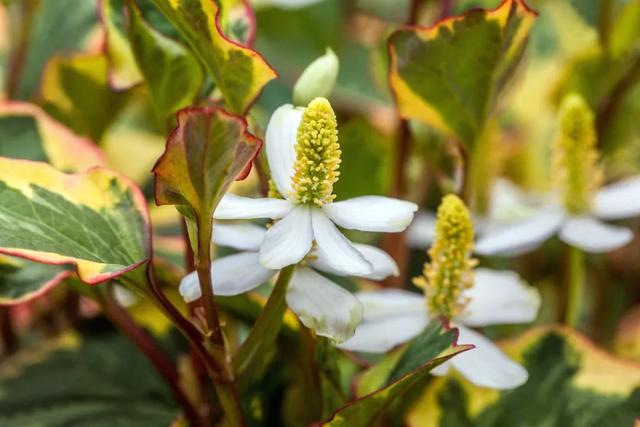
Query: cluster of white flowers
x=304 y=158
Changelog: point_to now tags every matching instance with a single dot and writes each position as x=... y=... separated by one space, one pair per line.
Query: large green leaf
x=75 y=91
x=239 y=72
x=571 y=383
x=429 y=350
x=27 y=132
x=173 y=75
x=204 y=154
x=96 y=220
x=91 y=381
x=450 y=75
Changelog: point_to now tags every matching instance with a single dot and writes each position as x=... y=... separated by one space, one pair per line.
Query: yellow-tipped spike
x=450 y=270
x=317 y=154
x=576 y=155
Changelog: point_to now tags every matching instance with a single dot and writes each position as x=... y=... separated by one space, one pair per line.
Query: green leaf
x=58 y=26
x=75 y=91
x=96 y=220
x=173 y=75
x=99 y=380
x=450 y=75
x=23 y=280
x=431 y=349
x=571 y=383
x=27 y=132
x=206 y=151
x=238 y=72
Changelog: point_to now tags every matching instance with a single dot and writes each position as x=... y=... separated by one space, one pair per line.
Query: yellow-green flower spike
x=450 y=270
x=317 y=155
x=576 y=155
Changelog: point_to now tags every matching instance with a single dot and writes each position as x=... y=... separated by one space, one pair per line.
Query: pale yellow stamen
x=576 y=155
x=450 y=271
x=317 y=155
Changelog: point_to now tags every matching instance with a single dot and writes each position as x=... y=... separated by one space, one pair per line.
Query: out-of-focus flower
x=453 y=289
x=321 y=304
x=304 y=158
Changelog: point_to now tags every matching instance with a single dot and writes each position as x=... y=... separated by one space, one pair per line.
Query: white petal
x=499 y=297
x=336 y=250
x=280 y=140
x=288 y=241
x=486 y=365
x=382 y=335
x=594 y=236
x=422 y=230
x=516 y=238
x=372 y=213
x=390 y=317
x=619 y=200
x=238 y=207
x=244 y=237
x=231 y=275
x=323 y=306
x=383 y=265
x=387 y=303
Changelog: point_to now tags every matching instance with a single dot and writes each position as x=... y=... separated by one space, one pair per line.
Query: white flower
x=515 y=223
x=319 y=303
x=307 y=213
x=394 y=316
x=540 y=222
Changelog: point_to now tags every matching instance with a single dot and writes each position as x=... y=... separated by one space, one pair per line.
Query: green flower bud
x=317 y=80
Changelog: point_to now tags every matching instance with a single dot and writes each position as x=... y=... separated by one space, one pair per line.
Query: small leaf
x=239 y=72
x=96 y=220
x=23 y=280
x=173 y=75
x=97 y=380
x=206 y=151
x=75 y=92
x=450 y=75
x=27 y=132
x=364 y=411
x=238 y=21
x=571 y=383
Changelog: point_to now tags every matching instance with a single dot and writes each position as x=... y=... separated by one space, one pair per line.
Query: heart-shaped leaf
x=206 y=151
x=22 y=280
x=450 y=75
x=96 y=220
x=239 y=72
x=571 y=383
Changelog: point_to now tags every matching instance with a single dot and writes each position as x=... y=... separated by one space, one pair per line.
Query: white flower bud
x=317 y=80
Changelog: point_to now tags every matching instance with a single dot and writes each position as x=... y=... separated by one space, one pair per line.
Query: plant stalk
x=577 y=278
x=267 y=326
x=7 y=333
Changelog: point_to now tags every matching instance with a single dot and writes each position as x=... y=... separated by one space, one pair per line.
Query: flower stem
x=266 y=328
x=148 y=347
x=577 y=278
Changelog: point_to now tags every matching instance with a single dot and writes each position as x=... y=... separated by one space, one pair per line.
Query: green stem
x=577 y=279
x=605 y=12
x=266 y=328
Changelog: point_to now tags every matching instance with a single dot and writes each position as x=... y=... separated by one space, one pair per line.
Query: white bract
x=320 y=304
x=392 y=317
